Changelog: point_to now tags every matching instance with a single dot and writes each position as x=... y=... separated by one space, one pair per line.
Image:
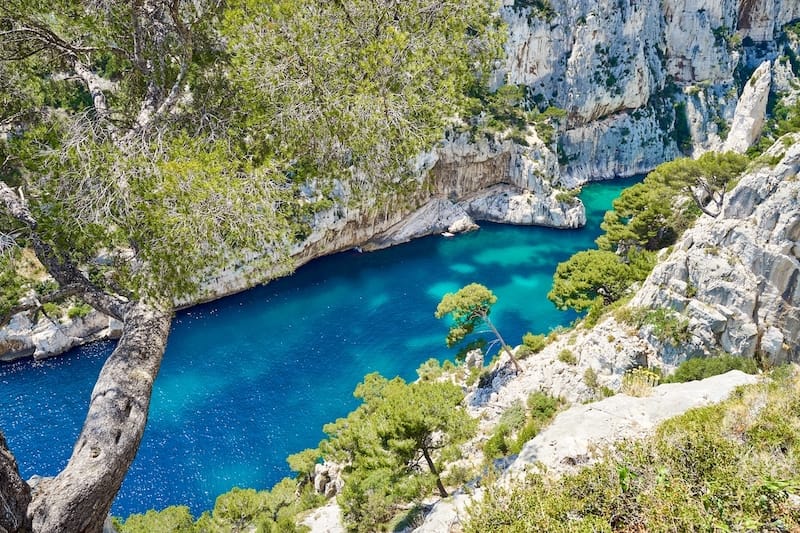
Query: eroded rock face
x=620 y=67
x=750 y=115
x=737 y=277
x=15 y=494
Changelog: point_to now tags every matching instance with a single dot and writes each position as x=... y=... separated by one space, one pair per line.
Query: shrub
x=79 y=311
x=522 y=352
x=569 y=197
x=176 y=519
x=535 y=343
x=590 y=378
x=639 y=382
x=704 y=367
x=12 y=290
x=513 y=417
x=45 y=287
x=52 y=310
x=668 y=326
x=543 y=407
x=457 y=475
x=430 y=370
x=497 y=446
x=606 y=392
x=566 y=356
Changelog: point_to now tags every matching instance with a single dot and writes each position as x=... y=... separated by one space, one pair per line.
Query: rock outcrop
x=750 y=115
x=23 y=338
x=581 y=432
x=737 y=277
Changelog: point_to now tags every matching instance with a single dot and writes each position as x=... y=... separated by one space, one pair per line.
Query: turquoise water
x=252 y=378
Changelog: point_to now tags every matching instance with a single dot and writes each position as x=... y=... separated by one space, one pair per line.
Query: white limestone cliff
x=750 y=114
x=621 y=66
x=737 y=277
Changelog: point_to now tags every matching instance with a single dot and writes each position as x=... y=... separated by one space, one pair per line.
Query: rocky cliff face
x=735 y=280
x=633 y=75
x=737 y=277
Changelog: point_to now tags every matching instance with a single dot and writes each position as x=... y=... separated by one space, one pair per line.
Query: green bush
x=668 y=325
x=543 y=407
x=569 y=197
x=513 y=417
x=52 y=310
x=566 y=356
x=430 y=370
x=522 y=352
x=705 y=367
x=175 y=519
x=497 y=446
x=590 y=379
x=535 y=343
x=516 y=427
x=12 y=291
x=79 y=311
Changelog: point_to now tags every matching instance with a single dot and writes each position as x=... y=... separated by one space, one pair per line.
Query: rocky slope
x=734 y=279
x=578 y=435
x=737 y=277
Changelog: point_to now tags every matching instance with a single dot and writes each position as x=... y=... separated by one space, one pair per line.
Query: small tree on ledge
x=469 y=307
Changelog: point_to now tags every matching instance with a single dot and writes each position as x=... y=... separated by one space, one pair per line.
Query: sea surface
x=252 y=378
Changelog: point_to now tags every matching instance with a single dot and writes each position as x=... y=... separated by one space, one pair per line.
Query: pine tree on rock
x=468 y=308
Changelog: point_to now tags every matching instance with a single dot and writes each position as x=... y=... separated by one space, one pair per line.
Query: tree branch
x=64 y=271
x=58 y=296
x=80 y=497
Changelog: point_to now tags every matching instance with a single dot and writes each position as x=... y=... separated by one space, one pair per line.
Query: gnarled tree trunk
x=79 y=498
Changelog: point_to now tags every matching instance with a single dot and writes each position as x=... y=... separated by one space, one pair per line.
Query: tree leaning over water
x=469 y=307
x=137 y=130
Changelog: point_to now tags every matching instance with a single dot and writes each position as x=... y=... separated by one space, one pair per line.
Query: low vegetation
x=729 y=467
x=240 y=510
x=639 y=382
x=519 y=424
x=705 y=367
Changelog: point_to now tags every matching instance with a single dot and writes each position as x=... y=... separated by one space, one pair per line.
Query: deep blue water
x=252 y=378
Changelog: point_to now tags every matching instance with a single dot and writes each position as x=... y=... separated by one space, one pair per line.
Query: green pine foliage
x=392 y=445
x=588 y=276
x=468 y=308
x=275 y=102
x=11 y=290
x=236 y=511
x=652 y=214
x=647 y=217
x=535 y=343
